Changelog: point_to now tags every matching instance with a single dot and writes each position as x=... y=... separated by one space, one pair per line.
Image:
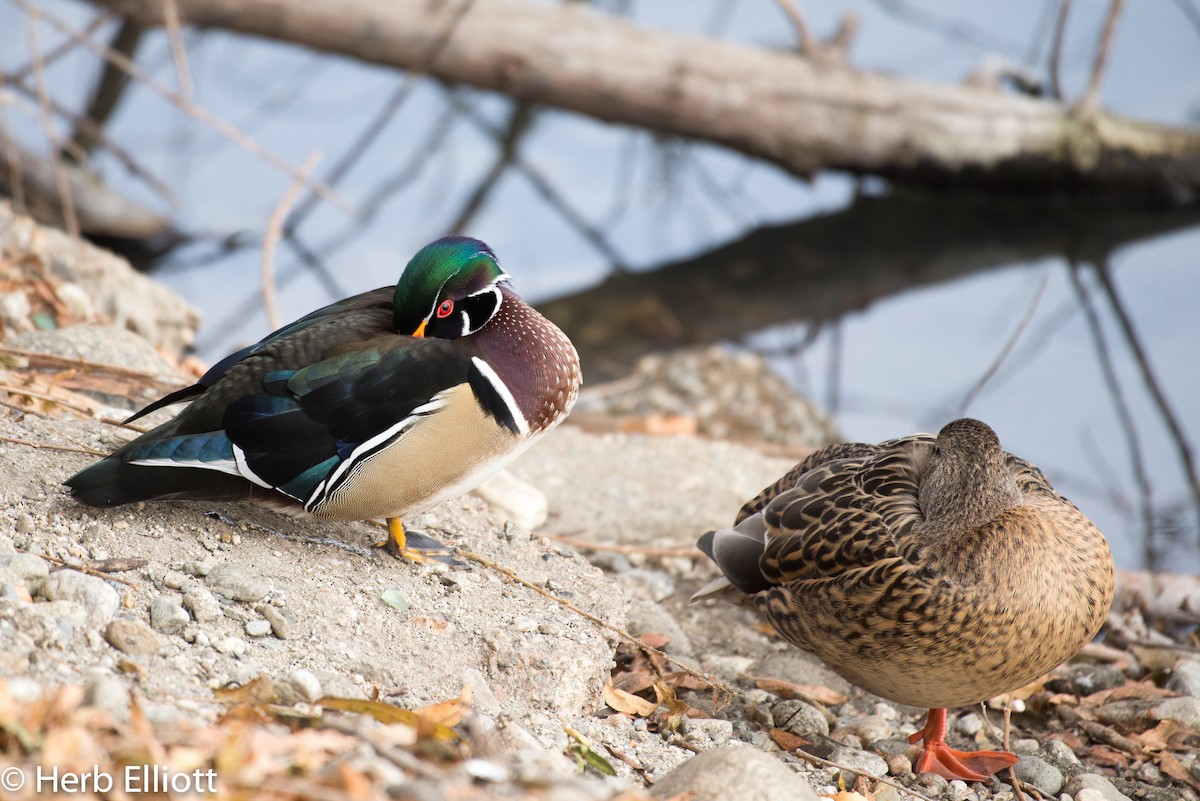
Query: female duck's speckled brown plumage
x=933 y=572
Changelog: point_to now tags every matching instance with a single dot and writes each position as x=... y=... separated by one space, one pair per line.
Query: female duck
x=933 y=572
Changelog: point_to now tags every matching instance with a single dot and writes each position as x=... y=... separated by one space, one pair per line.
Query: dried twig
x=1110 y=25
x=199 y=113
x=271 y=238
x=582 y=545
x=66 y=201
x=183 y=73
x=1008 y=346
x=1060 y=30
x=716 y=684
x=808 y=43
x=46 y=446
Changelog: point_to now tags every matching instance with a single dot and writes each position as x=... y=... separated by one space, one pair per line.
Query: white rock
x=516 y=500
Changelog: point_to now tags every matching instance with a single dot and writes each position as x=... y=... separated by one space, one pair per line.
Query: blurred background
x=1070 y=327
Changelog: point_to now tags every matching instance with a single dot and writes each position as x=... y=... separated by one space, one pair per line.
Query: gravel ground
x=224 y=595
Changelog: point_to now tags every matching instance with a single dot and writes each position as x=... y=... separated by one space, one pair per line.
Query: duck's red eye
x=445 y=309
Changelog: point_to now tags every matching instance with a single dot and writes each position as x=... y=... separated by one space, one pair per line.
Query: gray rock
x=1185 y=679
x=1185 y=710
x=174 y=580
x=1085 y=679
x=536 y=766
x=203 y=605
x=299 y=687
x=1060 y=755
x=1040 y=773
x=6 y=541
x=237 y=583
x=799 y=718
x=868 y=729
x=707 y=733
x=167 y=615
x=1096 y=783
x=800 y=668
x=32 y=570
x=231 y=646
x=258 y=628
x=196 y=568
x=281 y=627
x=862 y=762
x=132 y=636
x=95 y=595
x=734 y=772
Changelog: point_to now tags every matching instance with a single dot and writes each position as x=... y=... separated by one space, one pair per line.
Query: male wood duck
x=376 y=406
x=933 y=572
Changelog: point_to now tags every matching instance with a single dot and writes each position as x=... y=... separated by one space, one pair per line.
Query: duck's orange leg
x=939 y=758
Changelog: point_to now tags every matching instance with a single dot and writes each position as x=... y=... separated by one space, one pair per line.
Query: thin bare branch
x=364 y=140
x=1182 y=446
x=808 y=43
x=58 y=51
x=183 y=73
x=1008 y=346
x=109 y=89
x=520 y=122
x=66 y=201
x=1121 y=407
x=1060 y=30
x=271 y=238
x=199 y=113
x=1092 y=93
x=118 y=152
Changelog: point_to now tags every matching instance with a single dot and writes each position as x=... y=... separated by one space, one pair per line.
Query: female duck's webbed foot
x=415 y=546
x=939 y=758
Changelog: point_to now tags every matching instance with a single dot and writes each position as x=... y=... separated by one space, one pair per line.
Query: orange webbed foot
x=939 y=758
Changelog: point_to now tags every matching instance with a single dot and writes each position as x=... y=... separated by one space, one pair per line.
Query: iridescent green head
x=451 y=288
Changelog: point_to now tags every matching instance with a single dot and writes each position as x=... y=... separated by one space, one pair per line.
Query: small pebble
x=196 y=568
x=707 y=732
x=799 y=718
x=1040 y=773
x=280 y=625
x=231 y=646
x=1185 y=710
x=132 y=637
x=1185 y=679
x=733 y=772
x=1084 y=782
x=862 y=762
x=203 y=605
x=299 y=687
x=258 y=628
x=237 y=583
x=1060 y=755
x=94 y=594
x=1085 y=679
x=174 y=580
x=167 y=615
x=31 y=569
x=108 y=693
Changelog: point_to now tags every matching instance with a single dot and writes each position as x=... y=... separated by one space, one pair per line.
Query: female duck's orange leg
x=939 y=758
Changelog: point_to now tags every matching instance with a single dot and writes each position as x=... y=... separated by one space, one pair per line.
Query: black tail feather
x=112 y=482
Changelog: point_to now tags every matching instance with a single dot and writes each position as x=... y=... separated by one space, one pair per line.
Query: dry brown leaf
x=388 y=714
x=633 y=681
x=814 y=692
x=676 y=709
x=653 y=640
x=447 y=713
x=662 y=425
x=1175 y=769
x=846 y=795
x=257 y=691
x=786 y=740
x=686 y=681
x=1105 y=756
x=627 y=703
x=1128 y=690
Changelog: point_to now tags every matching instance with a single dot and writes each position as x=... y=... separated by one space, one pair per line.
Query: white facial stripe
x=514 y=410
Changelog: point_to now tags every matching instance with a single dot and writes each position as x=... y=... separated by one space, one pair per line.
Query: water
x=888 y=308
